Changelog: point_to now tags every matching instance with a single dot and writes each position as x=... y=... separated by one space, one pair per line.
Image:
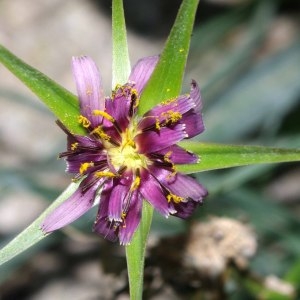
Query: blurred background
x=243 y=243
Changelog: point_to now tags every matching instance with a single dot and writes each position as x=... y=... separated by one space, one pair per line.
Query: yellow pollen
x=134 y=92
x=105 y=174
x=84 y=121
x=103 y=114
x=137 y=102
x=74 y=146
x=167 y=102
x=174 y=172
x=85 y=166
x=167 y=157
x=136 y=183
x=174 y=198
x=173 y=116
x=123 y=216
x=99 y=131
x=118 y=86
x=157 y=124
x=135 y=97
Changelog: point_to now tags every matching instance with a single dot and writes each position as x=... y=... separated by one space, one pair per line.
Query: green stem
x=135 y=253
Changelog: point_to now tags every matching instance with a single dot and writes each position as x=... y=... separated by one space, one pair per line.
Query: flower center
x=126 y=154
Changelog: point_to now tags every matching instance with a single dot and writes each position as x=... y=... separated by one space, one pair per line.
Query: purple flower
x=124 y=158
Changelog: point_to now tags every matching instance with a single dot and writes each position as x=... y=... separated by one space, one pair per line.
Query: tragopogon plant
x=131 y=148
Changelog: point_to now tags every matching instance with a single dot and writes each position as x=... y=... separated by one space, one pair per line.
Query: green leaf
x=166 y=80
x=219 y=156
x=61 y=102
x=33 y=234
x=135 y=253
x=164 y=83
x=120 y=56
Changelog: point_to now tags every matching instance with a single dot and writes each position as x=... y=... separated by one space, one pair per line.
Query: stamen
x=74 y=146
x=157 y=124
x=128 y=140
x=122 y=170
x=123 y=216
x=136 y=183
x=108 y=174
x=100 y=132
x=103 y=114
x=165 y=161
x=84 y=121
x=134 y=98
x=84 y=166
x=174 y=198
x=173 y=174
x=115 y=90
x=167 y=157
x=88 y=183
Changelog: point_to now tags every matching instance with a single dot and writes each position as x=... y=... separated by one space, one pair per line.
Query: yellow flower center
x=126 y=154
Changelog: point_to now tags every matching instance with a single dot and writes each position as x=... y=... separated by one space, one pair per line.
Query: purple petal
x=193 y=119
x=185 y=209
x=82 y=142
x=179 y=155
x=187 y=187
x=106 y=229
x=70 y=210
x=179 y=184
x=182 y=104
x=118 y=108
x=152 y=141
x=132 y=220
x=116 y=199
x=193 y=123
x=102 y=225
x=142 y=71
x=89 y=87
x=153 y=193
x=196 y=96
x=74 y=162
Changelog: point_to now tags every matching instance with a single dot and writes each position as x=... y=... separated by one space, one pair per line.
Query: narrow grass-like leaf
x=166 y=80
x=32 y=234
x=120 y=56
x=165 y=83
x=60 y=101
x=219 y=156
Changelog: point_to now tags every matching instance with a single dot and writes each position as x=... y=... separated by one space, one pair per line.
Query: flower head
x=124 y=158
